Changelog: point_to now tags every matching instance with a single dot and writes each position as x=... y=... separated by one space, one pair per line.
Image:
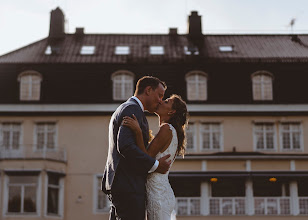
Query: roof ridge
x=29 y=45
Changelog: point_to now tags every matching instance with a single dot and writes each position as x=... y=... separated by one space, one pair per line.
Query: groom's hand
x=164 y=164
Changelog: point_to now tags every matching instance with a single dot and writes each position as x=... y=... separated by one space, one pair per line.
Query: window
x=45 y=136
x=211 y=136
x=191 y=50
x=262 y=86
x=22 y=194
x=30 y=85
x=157 y=50
x=122 y=50
x=87 y=50
x=191 y=137
x=196 y=86
x=226 y=48
x=123 y=85
x=10 y=135
x=264 y=136
x=291 y=136
x=54 y=194
x=102 y=203
x=48 y=50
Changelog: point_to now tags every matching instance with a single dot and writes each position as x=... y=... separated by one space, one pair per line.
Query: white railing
x=272 y=206
x=227 y=206
x=303 y=205
x=30 y=151
x=188 y=206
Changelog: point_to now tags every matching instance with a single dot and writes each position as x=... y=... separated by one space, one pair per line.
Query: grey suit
x=127 y=166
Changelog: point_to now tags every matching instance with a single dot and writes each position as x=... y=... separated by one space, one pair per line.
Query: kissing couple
x=136 y=173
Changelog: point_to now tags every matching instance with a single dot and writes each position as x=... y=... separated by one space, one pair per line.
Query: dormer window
x=196 y=84
x=87 y=50
x=262 y=85
x=30 y=86
x=191 y=50
x=123 y=85
x=157 y=50
x=226 y=48
x=48 y=50
x=122 y=50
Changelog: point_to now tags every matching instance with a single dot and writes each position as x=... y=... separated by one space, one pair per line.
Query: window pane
x=53 y=200
x=14 y=203
x=30 y=199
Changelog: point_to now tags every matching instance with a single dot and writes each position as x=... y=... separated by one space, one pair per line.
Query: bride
x=171 y=140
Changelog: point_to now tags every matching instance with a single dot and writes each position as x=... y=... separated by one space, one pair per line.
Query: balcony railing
x=188 y=206
x=303 y=205
x=30 y=151
x=236 y=206
x=272 y=206
x=227 y=206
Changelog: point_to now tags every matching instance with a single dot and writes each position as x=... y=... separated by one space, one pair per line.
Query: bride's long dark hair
x=179 y=121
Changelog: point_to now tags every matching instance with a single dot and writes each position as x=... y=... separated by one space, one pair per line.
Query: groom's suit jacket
x=127 y=166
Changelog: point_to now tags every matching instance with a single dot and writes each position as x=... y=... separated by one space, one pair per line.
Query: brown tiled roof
x=246 y=47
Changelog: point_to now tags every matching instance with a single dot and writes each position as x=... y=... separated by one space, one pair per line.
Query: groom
x=127 y=166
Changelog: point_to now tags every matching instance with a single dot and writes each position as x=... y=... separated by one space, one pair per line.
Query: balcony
x=272 y=206
x=227 y=206
x=32 y=152
x=188 y=206
x=237 y=206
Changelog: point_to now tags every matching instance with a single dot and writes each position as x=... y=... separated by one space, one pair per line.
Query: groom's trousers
x=127 y=206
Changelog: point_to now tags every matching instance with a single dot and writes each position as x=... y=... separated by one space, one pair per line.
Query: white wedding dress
x=160 y=196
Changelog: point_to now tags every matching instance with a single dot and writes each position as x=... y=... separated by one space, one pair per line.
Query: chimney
x=173 y=31
x=57 y=20
x=194 y=25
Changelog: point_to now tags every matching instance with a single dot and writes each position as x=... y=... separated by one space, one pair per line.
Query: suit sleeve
x=127 y=145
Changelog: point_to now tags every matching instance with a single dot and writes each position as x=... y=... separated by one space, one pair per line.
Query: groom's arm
x=126 y=143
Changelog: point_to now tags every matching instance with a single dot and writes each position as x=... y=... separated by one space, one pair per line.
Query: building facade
x=246 y=140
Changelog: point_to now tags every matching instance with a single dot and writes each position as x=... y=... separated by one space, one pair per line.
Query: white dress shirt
x=154 y=167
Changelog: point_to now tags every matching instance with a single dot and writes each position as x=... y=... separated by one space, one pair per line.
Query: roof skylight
x=87 y=50
x=227 y=48
x=122 y=50
x=48 y=50
x=157 y=50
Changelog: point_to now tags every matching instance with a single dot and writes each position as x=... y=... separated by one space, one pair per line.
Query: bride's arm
x=160 y=142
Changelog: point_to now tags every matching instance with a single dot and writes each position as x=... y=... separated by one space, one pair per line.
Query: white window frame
x=193 y=126
x=195 y=82
x=97 y=187
x=122 y=50
x=262 y=85
x=11 y=136
x=255 y=138
x=45 y=149
x=6 y=198
x=157 y=50
x=301 y=141
x=201 y=130
x=61 y=197
x=87 y=50
x=122 y=96
x=30 y=96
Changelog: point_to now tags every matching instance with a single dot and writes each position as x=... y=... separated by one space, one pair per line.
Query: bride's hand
x=132 y=123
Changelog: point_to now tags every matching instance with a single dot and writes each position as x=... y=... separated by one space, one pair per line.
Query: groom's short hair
x=148 y=81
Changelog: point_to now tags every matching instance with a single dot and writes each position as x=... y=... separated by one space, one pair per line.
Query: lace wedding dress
x=160 y=196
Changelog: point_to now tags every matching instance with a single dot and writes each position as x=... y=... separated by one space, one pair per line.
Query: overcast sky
x=25 y=21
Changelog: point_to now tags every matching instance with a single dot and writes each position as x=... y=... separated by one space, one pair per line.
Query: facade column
x=205 y=198
x=294 y=200
x=249 y=197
